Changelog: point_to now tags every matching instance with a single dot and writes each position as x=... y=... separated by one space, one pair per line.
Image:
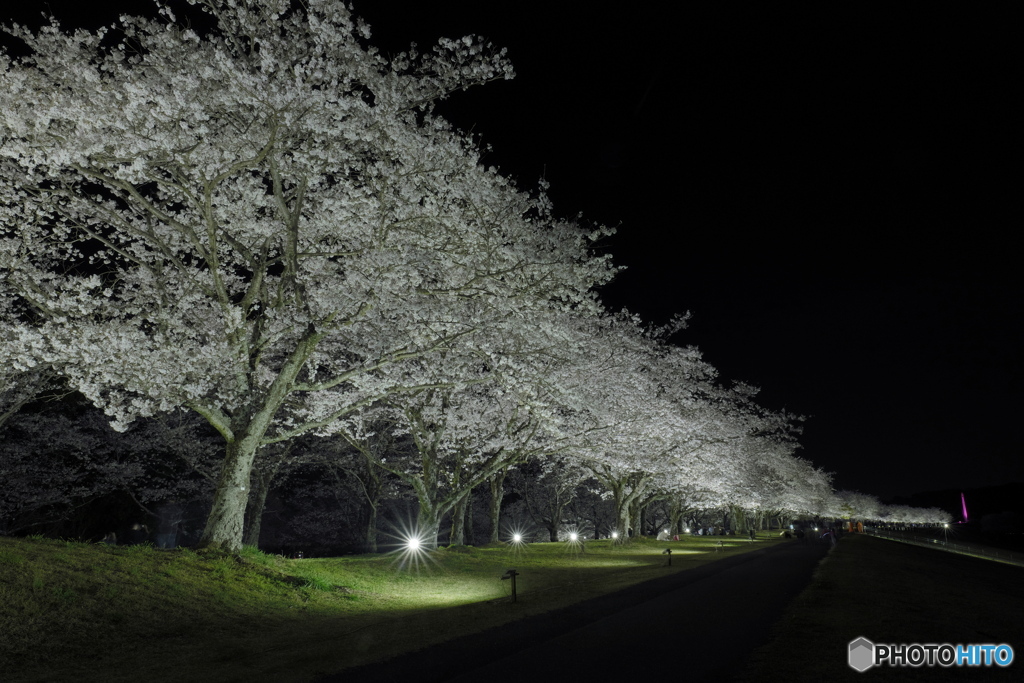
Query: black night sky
x=828 y=193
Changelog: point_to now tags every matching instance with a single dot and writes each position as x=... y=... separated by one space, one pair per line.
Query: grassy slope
x=74 y=611
x=889 y=592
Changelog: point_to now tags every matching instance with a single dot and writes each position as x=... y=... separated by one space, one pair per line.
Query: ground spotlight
x=511 y=574
x=412 y=547
x=575 y=542
x=516 y=537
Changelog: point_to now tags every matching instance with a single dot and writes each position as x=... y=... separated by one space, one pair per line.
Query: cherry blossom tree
x=468 y=434
x=20 y=387
x=659 y=425
x=353 y=466
x=767 y=480
x=905 y=514
x=857 y=505
x=547 y=486
x=867 y=508
x=461 y=439
x=809 y=491
x=235 y=222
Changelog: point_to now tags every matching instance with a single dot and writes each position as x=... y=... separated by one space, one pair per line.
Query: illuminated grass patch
x=103 y=613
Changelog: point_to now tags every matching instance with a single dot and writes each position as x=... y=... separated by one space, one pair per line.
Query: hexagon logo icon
x=862 y=654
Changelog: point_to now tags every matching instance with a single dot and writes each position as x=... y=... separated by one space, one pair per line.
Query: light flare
x=411 y=547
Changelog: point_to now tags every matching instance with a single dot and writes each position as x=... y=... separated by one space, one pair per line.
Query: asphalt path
x=698 y=625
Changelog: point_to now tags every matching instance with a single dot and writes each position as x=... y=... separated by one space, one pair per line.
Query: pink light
x=963 y=502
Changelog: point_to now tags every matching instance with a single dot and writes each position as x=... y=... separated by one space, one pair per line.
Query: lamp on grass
x=511 y=574
x=668 y=551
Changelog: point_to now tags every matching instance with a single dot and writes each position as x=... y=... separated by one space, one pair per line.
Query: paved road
x=698 y=625
x=953 y=544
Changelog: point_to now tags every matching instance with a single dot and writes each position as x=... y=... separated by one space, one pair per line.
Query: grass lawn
x=81 y=612
x=890 y=592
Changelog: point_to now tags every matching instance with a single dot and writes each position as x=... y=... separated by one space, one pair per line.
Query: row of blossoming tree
x=268 y=226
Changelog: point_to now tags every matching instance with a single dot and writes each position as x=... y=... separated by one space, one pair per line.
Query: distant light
x=615 y=534
x=516 y=537
x=815 y=528
x=946 y=525
x=686 y=530
x=665 y=531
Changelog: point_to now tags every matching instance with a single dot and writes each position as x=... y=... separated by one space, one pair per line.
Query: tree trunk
x=470 y=529
x=623 y=518
x=371 y=528
x=624 y=521
x=739 y=519
x=256 y=504
x=555 y=521
x=428 y=524
x=372 y=485
x=458 y=535
x=675 y=515
x=224 y=525
x=595 y=517
x=634 y=514
x=627 y=492
x=227 y=515
x=497 y=493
